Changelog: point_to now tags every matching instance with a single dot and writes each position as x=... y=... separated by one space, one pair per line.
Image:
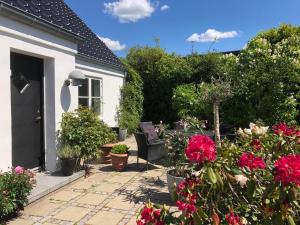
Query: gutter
x=12 y=11
x=99 y=62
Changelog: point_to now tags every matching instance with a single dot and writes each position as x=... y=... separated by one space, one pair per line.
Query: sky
x=183 y=25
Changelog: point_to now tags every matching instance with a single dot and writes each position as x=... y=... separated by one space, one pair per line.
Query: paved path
x=104 y=198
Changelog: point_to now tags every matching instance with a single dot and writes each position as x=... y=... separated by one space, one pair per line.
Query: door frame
x=42 y=160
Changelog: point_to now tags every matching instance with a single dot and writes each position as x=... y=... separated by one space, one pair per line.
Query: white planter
x=171 y=180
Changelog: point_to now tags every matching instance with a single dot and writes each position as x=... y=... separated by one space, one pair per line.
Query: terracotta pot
x=105 y=153
x=119 y=161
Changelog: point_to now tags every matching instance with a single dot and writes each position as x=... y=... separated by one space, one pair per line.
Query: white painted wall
x=112 y=82
x=59 y=61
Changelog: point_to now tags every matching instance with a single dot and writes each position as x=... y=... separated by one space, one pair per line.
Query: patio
x=105 y=197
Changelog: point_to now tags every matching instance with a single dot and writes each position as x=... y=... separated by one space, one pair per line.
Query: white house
x=44 y=46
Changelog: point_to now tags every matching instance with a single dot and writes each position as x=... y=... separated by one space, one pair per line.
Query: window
x=89 y=94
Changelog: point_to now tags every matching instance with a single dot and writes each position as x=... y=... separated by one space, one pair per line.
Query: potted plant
x=176 y=161
x=68 y=157
x=119 y=157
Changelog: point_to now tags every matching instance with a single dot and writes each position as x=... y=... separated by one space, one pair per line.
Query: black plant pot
x=68 y=166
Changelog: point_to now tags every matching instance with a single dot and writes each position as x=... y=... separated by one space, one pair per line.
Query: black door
x=26 y=110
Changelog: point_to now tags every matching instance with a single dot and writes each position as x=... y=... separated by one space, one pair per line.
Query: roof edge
x=99 y=62
x=16 y=13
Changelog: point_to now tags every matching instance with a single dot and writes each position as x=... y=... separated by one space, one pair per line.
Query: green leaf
x=251 y=189
x=211 y=175
x=291 y=220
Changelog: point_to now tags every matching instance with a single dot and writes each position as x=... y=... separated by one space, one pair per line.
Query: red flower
x=186 y=207
x=251 y=161
x=283 y=129
x=233 y=219
x=287 y=169
x=147 y=214
x=201 y=148
x=256 y=144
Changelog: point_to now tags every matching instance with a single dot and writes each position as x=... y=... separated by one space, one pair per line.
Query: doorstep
x=50 y=182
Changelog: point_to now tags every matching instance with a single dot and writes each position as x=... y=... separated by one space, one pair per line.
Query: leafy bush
x=67 y=152
x=254 y=180
x=131 y=104
x=15 y=186
x=120 y=149
x=83 y=130
x=266 y=79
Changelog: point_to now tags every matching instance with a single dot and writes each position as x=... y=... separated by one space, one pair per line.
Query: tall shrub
x=131 y=104
x=266 y=79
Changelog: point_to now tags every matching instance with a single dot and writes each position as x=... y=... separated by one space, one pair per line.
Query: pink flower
x=233 y=219
x=201 y=148
x=287 y=169
x=251 y=161
x=19 y=170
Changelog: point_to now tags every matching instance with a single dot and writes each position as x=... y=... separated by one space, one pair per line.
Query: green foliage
x=186 y=102
x=14 y=189
x=131 y=104
x=120 y=149
x=83 y=130
x=161 y=73
x=67 y=152
x=266 y=79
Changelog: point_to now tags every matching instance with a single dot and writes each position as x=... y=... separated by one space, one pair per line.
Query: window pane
x=95 y=88
x=84 y=88
x=83 y=102
x=96 y=105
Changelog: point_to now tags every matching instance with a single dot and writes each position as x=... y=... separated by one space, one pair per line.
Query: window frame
x=90 y=97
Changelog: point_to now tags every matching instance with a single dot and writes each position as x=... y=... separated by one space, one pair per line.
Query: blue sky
x=126 y=23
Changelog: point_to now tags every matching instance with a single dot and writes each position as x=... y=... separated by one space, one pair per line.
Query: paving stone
x=42 y=208
x=105 y=218
x=64 y=195
x=132 y=221
x=107 y=187
x=119 y=179
x=72 y=213
x=49 y=223
x=92 y=199
x=121 y=202
x=20 y=222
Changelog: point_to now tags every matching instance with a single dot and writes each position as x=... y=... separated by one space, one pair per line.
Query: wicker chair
x=149 y=150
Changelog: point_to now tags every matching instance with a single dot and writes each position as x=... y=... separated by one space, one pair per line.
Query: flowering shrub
x=15 y=186
x=255 y=180
x=201 y=148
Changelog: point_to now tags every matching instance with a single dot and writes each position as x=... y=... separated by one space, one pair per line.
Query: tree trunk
x=216 y=105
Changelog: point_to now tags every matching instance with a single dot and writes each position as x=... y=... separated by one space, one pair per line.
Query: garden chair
x=150 y=147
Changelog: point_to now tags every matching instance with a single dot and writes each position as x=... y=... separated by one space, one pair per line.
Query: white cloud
x=211 y=35
x=113 y=45
x=130 y=10
x=164 y=7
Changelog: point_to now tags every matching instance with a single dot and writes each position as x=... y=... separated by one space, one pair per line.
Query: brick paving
x=105 y=197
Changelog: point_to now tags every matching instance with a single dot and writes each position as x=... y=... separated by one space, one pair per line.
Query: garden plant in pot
x=176 y=161
x=68 y=157
x=119 y=157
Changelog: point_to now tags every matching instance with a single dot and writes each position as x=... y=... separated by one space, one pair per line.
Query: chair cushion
x=149 y=131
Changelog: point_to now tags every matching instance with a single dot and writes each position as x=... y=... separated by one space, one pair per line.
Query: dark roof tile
x=60 y=14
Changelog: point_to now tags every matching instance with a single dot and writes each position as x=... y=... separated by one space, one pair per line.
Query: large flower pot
x=119 y=161
x=68 y=166
x=105 y=153
x=171 y=180
x=122 y=134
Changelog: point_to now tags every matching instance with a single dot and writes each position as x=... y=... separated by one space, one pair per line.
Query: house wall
x=59 y=61
x=112 y=81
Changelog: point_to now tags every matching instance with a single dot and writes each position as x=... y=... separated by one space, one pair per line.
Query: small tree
x=215 y=92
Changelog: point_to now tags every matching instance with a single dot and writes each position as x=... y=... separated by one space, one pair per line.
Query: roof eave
x=25 y=17
x=99 y=62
